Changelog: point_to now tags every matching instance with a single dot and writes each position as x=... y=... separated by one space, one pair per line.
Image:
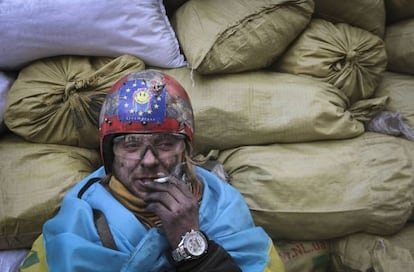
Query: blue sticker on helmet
x=140 y=102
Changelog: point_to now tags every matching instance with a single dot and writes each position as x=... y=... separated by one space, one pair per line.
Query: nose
x=149 y=156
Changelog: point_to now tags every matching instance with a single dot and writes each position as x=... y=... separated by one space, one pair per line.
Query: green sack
x=398 y=10
x=400 y=89
x=304 y=256
x=233 y=36
x=264 y=107
x=58 y=100
x=363 y=252
x=350 y=58
x=34 y=178
x=325 y=189
x=367 y=14
x=399 y=40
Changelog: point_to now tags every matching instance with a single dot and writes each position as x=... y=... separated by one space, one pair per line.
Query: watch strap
x=180 y=253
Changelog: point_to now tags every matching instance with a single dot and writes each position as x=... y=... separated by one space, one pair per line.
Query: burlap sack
x=57 y=100
x=409 y=147
x=397 y=10
x=264 y=107
x=233 y=36
x=367 y=14
x=34 y=178
x=364 y=252
x=350 y=58
x=399 y=40
x=325 y=189
x=304 y=256
x=400 y=89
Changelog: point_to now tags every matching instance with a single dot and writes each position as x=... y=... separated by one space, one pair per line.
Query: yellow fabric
x=275 y=263
x=35 y=261
x=133 y=203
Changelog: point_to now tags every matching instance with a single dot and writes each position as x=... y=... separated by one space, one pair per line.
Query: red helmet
x=146 y=101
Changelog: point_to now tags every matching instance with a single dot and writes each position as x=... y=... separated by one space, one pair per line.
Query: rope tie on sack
x=85 y=83
x=74 y=99
x=349 y=58
x=72 y=87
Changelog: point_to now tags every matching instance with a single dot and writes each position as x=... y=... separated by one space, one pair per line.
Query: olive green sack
x=399 y=40
x=233 y=36
x=350 y=58
x=57 y=100
x=362 y=252
x=264 y=107
x=368 y=14
x=325 y=189
x=34 y=177
x=400 y=89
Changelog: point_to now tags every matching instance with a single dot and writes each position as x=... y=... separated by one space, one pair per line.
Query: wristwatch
x=192 y=245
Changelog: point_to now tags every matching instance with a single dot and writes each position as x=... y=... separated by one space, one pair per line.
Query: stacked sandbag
x=58 y=100
x=303 y=256
x=399 y=40
x=400 y=89
x=397 y=10
x=368 y=14
x=350 y=58
x=34 y=178
x=264 y=107
x=293 y=141
x=33 y=30
x=362 y=252
x=234 y=36
x=325 y=189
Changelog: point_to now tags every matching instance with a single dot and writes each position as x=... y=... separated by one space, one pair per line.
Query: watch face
x=195 y=244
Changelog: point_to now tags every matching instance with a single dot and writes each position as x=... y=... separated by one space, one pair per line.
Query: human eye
x=132 y=145
x=164 y=144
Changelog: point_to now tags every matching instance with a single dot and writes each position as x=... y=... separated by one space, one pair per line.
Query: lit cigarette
x=162 y=180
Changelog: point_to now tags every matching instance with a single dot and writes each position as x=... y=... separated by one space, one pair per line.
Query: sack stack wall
x=308 y=105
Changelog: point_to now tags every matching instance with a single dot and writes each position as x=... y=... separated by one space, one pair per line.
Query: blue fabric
x=72 y=242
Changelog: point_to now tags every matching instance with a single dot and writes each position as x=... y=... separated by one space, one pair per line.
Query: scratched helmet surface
x=146 y=101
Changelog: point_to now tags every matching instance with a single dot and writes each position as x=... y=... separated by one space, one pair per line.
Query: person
x=150 y=207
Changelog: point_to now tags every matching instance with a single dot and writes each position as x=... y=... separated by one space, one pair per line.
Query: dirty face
x=140 y=158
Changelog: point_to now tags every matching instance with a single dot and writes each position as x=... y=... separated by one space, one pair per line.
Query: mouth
x=159 y=178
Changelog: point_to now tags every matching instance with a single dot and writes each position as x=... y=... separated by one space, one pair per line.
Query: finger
x=175 y=189
x=167 y=199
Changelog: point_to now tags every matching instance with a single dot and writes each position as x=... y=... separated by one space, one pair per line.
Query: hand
x=176 y=206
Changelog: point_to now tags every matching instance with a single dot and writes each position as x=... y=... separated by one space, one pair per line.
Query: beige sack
x=264 y=107
x=304 y=256
x=33 y=180
x=399 y=40
x=367 y=14
x=325 y=189
x=397 y=10
x=57 y=100
x=363 y=252
x=233 y=36
x=400 y=89
x=350 y=58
